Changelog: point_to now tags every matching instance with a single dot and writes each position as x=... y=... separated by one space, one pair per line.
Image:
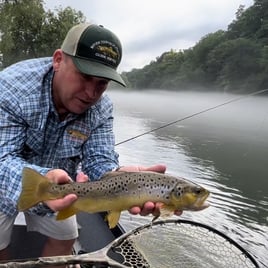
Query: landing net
x=180 y=243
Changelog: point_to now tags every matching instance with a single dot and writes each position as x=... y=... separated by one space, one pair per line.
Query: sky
x=148 y=28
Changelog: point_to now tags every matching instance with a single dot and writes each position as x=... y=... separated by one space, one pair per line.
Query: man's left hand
x=148 y=207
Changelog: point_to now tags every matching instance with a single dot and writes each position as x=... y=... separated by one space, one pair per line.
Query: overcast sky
x=147 y=28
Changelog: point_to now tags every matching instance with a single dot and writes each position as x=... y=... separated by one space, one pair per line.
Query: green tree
x=251 y=23
x=225 y=60
x=196 y=64
x=20 y=23
x=234 y=63
x=27 y=30
x=55 y=27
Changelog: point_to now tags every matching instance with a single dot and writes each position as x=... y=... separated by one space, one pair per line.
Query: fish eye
x=198 y=190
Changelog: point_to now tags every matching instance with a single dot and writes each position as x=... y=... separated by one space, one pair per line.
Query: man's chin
x=80 y=109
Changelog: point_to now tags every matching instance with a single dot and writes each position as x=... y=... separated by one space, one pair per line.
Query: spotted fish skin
x=115 y=192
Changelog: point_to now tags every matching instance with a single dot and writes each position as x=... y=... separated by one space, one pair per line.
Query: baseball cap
x=95 y=51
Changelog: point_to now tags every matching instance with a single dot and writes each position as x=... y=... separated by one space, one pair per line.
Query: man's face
x=74 y=92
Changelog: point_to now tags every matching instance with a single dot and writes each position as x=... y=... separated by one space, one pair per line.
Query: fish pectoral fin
x=66 y=213
x=113 y=218
x=166 y=211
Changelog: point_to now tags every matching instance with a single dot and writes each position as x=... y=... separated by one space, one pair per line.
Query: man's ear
x=57 y=59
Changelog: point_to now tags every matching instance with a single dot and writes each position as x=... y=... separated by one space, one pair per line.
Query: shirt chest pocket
x=71 y=144
x=62 y=145
x=70 y=152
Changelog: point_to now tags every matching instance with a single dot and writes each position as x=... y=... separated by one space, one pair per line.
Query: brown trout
x=115 y=192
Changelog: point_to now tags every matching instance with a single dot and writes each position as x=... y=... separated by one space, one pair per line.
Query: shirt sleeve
x=99 y=155
x=13 y=136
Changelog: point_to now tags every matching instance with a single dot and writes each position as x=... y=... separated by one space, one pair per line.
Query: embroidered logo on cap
x=106 y=50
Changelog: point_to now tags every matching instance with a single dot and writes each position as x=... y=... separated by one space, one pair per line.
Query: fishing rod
x=193 y=115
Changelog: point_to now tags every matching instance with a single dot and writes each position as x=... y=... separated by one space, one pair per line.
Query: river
x=224 y=149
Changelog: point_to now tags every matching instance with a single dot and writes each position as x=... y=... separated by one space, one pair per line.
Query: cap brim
x=97 y=69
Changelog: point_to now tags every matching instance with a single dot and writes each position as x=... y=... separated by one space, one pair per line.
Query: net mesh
x=180 y=244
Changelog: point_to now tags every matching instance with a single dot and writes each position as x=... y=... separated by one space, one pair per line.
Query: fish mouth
x=201 y=203
x=201 y=206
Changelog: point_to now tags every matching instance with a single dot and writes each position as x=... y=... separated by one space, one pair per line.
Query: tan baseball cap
x=95 y=51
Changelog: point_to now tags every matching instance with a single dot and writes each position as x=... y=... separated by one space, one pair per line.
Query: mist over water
x=224 y=149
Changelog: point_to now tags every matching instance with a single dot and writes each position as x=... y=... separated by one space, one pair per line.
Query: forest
x=234 y=60
x=27 y=30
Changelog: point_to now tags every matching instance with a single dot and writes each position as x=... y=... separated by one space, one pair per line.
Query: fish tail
x=34 y=189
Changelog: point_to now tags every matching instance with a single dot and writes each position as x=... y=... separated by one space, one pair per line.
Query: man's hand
x=59 y=176
x=148 y=207
x=156 y=168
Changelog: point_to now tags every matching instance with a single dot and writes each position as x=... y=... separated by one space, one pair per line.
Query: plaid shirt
x=32 y=134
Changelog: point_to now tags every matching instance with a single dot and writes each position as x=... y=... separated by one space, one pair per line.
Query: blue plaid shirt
x=32 y=134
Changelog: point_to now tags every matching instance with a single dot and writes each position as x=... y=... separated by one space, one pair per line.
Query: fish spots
x=114 y=186
x=79 y=190
x=115 y=192
x=179 y=190
x=167 y=197
x=154 y=186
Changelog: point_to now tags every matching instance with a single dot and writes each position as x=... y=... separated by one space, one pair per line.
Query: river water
x=224 y=150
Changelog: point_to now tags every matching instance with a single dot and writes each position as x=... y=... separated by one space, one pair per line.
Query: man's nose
x=91 y=90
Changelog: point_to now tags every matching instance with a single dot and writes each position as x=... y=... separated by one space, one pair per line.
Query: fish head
x=189 y=196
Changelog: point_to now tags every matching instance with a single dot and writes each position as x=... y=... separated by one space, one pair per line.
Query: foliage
x=231 y=60
x=27 y=30
x=228 y=60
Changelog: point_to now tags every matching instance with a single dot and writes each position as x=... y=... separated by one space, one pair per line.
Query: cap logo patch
x=106 y=50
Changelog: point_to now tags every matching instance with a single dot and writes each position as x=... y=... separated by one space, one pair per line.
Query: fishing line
x=193 y=115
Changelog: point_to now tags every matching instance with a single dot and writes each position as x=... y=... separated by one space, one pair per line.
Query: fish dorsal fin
x=111 y=174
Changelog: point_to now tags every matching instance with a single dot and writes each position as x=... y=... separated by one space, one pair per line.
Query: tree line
x=235 y=60
x=27 y=30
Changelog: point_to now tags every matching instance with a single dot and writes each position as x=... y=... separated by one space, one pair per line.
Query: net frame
x=115 y=255
x=134 y=256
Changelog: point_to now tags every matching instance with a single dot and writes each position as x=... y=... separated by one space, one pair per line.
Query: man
x=53 y=117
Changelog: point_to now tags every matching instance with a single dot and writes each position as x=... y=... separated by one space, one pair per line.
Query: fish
x=115 y=192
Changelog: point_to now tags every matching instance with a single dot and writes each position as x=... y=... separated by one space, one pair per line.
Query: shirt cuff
x=41 y=209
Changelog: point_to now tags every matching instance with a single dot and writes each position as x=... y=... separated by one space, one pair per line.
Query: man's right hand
x=60 y=176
